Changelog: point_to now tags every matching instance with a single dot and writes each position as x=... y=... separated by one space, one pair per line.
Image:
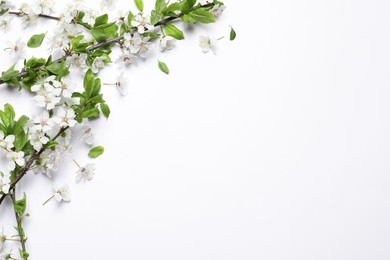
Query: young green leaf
x=199 y=16
x=160 y=5
x=232 y=34
x=20 y=205
x=172 y=30
x=139 y=4
x=36 y=40
x=163 y=67
x=103 y=19
x=105 y=109
x=96 y=151
x=105 y=32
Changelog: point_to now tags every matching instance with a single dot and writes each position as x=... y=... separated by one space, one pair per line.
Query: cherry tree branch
x=30 y=161
x=102 y=44
x=40 y=15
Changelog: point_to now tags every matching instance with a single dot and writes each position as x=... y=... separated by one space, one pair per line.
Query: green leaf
x=103 y=19
x=94 y=112
x=36 y=40
x=170 y=10
x=23 y=254
x=96 y=152
x=20 y=205
x=155 y=17
x=172 y=30
x=105 y=32
x=232 y=34
x=130 y=17
x=9 y=74
x=139 y=4
x=160 y=5
x=35 y=62
x=186 y=5
x=105 y=109
x=9 y=112
x=163 y=67
x=21 y=139
x=199 y=16
x=58 y=68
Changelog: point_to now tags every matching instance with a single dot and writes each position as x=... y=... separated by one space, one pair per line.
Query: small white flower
x=7 y=254
x=3 y=238
x=217 y=10
x=38 y=139
x=78 y=61
x=43 y=7
x=89 y=17
x=62 y=193
x=67 y=87
x=6 y=143
x=29 y=20
x=167 y=43
x=44 y=121
x=122 y=84
x=145 y=47
x=16 y=49
x=5 y=22
x=132 y=42
x=87 y=133
x=5 y=182
x=98 y=64
x=205 y=2
x=207 y=44
x=127 y=59
x=110 y=4
x=65 y=117
x=142 y=23
x=85 y=173
x=15 y=158
x=48 y=100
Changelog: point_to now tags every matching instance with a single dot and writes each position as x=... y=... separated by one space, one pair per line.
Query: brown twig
x=102 y=44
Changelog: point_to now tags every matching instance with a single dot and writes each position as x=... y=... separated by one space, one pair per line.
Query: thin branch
x=105 y=43
x=19 y=227
x=40 y=15
x=30 y=161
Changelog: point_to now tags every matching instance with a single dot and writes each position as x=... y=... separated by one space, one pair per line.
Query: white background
x=275 y=148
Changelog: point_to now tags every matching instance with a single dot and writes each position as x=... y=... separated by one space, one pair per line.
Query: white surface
x=276 y=148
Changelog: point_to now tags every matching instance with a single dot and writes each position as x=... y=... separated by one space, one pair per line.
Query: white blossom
x=65 y=117
x=5 y=22
x=5 y=183
x=205 y=2
x=62 y=193
x=7 y=254
x=3 y=238
x=16 y=49
x=85 y=173
x=38 y=139
x=44 y=121
x=29 y=19
x=78 y=61
x=207 y=44
x=90 y=16
x=122 y=84
x=47 y=100
x=127 y=59
x=217 y=10
x=167 y=43
x=15 y=158
x=98 y=64
x=43 y=7
x=109 y=4
x=142 y=23
x=6 y=143
x=145 y=47
x=67 y=87
x=87 y=134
